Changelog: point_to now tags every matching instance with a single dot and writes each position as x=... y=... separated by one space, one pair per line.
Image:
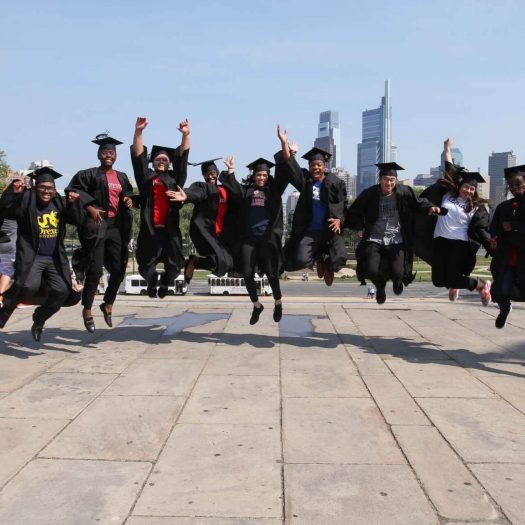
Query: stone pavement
x=346 y=413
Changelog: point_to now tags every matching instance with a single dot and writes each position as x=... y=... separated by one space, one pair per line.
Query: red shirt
x=114 y=188
x=161 y=203
x=221 y=211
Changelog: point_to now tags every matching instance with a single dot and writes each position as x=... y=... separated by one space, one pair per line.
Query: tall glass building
x=376 y=141
x=329 y=137
x=497 y=164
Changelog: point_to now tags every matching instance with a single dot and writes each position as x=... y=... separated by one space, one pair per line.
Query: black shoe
x=277 y=312
x=89 y=324
x=152 y=291
x=501 y=320
x=106 y=314
x=36 y=331
x=398 y=287
x=189 y=268
x=255 y=314
x=380 y=295
x=162 y=292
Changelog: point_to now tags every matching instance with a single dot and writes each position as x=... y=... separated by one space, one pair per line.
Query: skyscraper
x=376 y=141
x=497 y=163
x=457 y=158
x=329 y=137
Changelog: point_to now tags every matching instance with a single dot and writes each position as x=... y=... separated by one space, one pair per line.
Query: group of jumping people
x=237 y=227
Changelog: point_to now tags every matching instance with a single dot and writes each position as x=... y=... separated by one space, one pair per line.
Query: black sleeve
x=140 y=166
x=197 y=192
x=81 y=184
x=180 y=166
x=127 y=189
x=10 y=203
x=479 y=228
x=291 y=169
x=495 y=224
x=232 y=185
x=356 y=212
x=281 y=179
x=337 y=200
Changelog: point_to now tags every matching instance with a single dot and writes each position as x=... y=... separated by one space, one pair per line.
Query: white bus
x=235 y=285
x=136 y=285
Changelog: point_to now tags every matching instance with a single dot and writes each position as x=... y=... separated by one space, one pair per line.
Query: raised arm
x=283 y=138
x=138 y=142
x=184 y=128
x=447 y=145
x=139 y=158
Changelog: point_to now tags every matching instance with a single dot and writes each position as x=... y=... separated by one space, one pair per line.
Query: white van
x=235 y=285
x=136 y=285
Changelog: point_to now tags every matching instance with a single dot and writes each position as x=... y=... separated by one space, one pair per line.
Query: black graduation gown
x=274 y=190
x=224 y=249
x=146 y=244
x=364 y=212
x=424 y=226
x=333 y=195
x=22 y=208
x=513 y=211
x=92 y=186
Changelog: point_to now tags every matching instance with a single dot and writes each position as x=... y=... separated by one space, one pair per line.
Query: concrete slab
x=319 y=377
x=510 y=388
x=453 y=490
x=480 y=430
x=395 y=403
x=57 y=396
x=131 y=428
x=247 y=400
x=51 y=492
x=334 y=430
x=216 y=470
x=505 y=484
x=443 y=379
x=17 y=370
x=202 y=521
x=355 y=495
x=243 y=360
x=22 y=439
x=157 y=377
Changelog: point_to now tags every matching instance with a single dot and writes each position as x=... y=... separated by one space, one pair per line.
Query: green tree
x=5 y=170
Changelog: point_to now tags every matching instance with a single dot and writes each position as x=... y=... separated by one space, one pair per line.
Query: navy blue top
x=319 y=209
x=48 y=222
x=259 y=214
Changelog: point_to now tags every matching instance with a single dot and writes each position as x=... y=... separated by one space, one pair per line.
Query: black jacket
x=225 y=248
x=512 y=211
x=333 y=196
x=364 y=212
x=424 y=226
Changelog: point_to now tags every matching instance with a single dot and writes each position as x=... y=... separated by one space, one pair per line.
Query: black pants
x=384 y=262
x=259 y=253
x=310 y=249
x=160 y=254
x=106 y=253
x=450 y=257
x=47 y=271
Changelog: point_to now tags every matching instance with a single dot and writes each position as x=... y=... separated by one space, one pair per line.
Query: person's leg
x=114 y=265
x=57 y=293
x=249 y=262
x=396 y=256
x=375 y=268
x=438 y=266
x=505 y=307
x=92 y=278
x=305 y=256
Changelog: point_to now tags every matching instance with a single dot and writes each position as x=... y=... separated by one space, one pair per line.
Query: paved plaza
x=345 y=413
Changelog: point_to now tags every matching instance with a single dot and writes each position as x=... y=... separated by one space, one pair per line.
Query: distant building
x=376 y=144
x=457 y=158
x=406 y=182
x=424 y=180
x=291 y=203
x=497 y=164
x=36 y=164
x=349 y=180
x=329 y=137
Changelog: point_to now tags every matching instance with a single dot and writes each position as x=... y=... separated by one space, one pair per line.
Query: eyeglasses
x=46 y=189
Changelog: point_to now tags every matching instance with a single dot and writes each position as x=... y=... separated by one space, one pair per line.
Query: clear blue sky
x=71 y=70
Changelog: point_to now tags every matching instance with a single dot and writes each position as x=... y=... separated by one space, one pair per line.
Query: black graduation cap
x=103 y=140
x=317 y=154
x=157 y=150
x=514 y=170
x=44 y=174
x=470 y=177
x=387 y=168
x=206 y=165
x=260 y=165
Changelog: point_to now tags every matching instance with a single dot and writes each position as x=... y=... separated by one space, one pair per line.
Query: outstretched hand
x=294 y=147
x=283 y=135
x=335 y=225
x=18 y=186
x=142 y=122
x=177 y=196
x=434 y=210
x=72 y=196
x=184 y=127
x=230 y=162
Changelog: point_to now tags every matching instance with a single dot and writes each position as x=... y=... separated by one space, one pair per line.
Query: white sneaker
x=453 y=294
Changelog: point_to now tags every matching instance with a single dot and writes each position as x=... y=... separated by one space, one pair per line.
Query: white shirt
x=455 y=224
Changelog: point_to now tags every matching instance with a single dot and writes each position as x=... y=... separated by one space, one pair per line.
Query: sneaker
x=504 y=312
x=453 y=294
x=162 y=292
x=484 y=293
x=255 y=314
x=380 y=295
x=320 y=269
x=277 y=312
x=398 y=287
x=36 y=331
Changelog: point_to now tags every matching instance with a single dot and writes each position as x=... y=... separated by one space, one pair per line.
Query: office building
x=376 y=143
x=329 y=137
x=497 y=164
